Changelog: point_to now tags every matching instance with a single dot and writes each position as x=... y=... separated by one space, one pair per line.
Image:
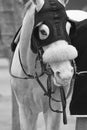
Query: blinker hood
x=52 y=14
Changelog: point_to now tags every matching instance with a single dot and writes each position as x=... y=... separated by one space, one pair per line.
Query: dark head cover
x=53 y=15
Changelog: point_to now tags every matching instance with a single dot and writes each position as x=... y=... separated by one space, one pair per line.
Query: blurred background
x=10 y=20
x=11 y=13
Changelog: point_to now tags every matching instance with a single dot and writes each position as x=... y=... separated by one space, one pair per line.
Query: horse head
x=45 y=38
x=51 y=34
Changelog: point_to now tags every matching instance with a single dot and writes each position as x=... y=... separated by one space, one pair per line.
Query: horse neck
x=26 y=32
x=31 y=58
x=28 y=58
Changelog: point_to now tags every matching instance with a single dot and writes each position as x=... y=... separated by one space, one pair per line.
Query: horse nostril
x=58 y=74
x=64 y=76
x=72 y=70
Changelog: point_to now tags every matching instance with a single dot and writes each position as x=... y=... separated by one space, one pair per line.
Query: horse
x=43 y=65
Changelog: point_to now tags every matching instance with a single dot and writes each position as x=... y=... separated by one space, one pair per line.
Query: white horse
x=58 y=55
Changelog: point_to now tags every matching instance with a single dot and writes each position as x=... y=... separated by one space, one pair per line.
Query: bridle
x=45 y=68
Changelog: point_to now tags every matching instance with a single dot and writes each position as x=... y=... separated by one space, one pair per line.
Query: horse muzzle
x=63 y=73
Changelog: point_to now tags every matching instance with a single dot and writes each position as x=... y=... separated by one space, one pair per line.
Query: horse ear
x=39 y=4
x=64 y=2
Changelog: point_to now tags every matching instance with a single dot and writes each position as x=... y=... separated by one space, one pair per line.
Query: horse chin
x=57 y=82
x=66 y=85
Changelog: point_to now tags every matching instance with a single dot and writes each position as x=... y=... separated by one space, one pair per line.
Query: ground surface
x=5 y=102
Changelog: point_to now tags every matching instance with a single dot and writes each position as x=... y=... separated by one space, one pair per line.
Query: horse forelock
x=39 y=4
x=63 y=2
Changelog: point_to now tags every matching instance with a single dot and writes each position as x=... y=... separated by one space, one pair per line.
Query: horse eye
x=43 y=32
